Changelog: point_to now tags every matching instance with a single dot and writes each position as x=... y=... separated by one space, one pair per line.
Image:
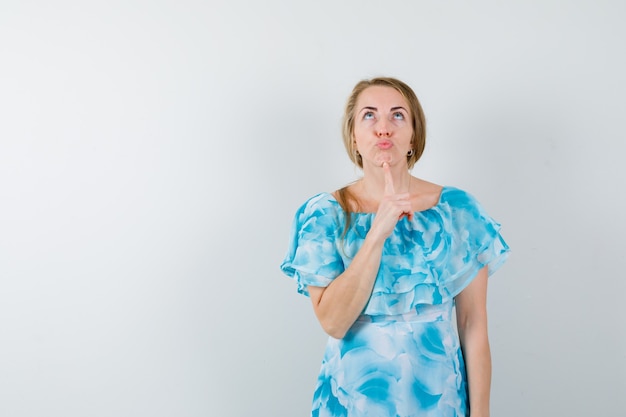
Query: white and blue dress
x=402 y=357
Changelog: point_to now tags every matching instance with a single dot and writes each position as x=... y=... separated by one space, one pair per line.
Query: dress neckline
x=444 y=188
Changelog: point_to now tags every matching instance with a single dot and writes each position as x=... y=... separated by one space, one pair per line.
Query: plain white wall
x=152 y=155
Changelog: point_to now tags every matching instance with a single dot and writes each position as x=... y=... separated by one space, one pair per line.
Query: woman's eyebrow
x=376 y=108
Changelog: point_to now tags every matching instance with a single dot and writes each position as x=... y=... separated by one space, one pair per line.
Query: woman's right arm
x=338 y=305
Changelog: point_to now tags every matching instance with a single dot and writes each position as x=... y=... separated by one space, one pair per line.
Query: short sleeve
x=313 y=257
x=474 y=241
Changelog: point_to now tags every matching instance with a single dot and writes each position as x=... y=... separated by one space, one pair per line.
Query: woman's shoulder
x=319 y=215
x=457 y=197
x=462 y=206
x=318 y=204
x=321 y=199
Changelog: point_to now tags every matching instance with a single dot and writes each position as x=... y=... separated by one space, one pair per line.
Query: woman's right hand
x=392 y=207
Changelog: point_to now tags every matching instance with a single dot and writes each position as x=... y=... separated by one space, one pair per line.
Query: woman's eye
x=368 y=115
x=398 y=116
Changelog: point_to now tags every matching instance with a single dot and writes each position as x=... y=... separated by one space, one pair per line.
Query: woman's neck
x=372 y=185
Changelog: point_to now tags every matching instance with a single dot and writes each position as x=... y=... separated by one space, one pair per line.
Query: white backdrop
x=153 y=153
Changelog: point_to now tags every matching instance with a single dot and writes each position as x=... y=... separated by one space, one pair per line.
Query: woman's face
x=382 y=126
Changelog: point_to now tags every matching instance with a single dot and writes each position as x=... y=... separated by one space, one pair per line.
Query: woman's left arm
x=471 y=314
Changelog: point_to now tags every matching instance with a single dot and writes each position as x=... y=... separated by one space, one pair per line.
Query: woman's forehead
x=379 y=95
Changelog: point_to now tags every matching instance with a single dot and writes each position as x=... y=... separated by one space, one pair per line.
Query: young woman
x=386 y=261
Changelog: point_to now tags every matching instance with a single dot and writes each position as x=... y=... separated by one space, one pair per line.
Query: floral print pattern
x=402 y=356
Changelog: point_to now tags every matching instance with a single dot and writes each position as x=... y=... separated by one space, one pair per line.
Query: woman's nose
x=383 y=131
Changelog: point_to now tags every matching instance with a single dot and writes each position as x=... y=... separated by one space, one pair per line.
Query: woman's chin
x=382 y=159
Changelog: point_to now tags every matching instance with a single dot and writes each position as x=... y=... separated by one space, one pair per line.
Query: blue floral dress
x=402 y=357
